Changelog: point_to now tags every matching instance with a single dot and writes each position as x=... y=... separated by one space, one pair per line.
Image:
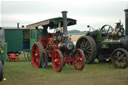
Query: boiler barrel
x=124 y=42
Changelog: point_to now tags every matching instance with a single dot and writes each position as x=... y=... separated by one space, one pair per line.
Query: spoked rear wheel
x=57 y=61
x=88 y=45
x=36 y=54
x=79 y=59
x=1 y=71
x=119 y=58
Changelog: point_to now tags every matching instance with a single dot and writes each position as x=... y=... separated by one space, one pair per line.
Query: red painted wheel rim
x=56 y=61
x=78 y=60
x=35 y=55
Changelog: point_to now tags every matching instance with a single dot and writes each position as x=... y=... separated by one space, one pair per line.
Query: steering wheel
x=107 y=29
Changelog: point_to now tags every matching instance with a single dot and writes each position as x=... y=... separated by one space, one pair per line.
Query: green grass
x=23 y=73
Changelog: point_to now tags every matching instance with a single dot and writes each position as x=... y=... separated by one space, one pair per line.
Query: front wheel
x=78 y=59
x=1 y=71
x=57 y=61
x=119 y=58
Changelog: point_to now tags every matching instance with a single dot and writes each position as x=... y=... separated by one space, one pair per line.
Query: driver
x=59 y=33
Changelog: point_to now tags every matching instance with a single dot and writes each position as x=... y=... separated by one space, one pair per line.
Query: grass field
x=23 y=73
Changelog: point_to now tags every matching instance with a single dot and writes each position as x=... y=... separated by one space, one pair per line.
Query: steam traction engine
x=106 y=44
x=56 y=47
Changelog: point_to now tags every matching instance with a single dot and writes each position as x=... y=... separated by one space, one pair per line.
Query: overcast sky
x=87 y=12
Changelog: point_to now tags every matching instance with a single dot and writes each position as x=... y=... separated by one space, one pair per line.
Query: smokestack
x=126 y=21
x=18 y=25
x=64 y=14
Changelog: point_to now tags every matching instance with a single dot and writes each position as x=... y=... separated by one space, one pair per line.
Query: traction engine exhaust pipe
x=64 y=15
x=126 y=21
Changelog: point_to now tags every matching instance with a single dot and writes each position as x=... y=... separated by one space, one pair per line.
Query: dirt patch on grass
x=75 y=37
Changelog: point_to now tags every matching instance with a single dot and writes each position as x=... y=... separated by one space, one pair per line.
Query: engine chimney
x=64 y=14
x=18 y=25
x=126 y=21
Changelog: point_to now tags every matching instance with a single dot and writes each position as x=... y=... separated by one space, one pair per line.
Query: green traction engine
x=106 y=44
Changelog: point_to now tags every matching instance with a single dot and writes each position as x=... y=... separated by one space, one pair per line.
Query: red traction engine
x=56 y=47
